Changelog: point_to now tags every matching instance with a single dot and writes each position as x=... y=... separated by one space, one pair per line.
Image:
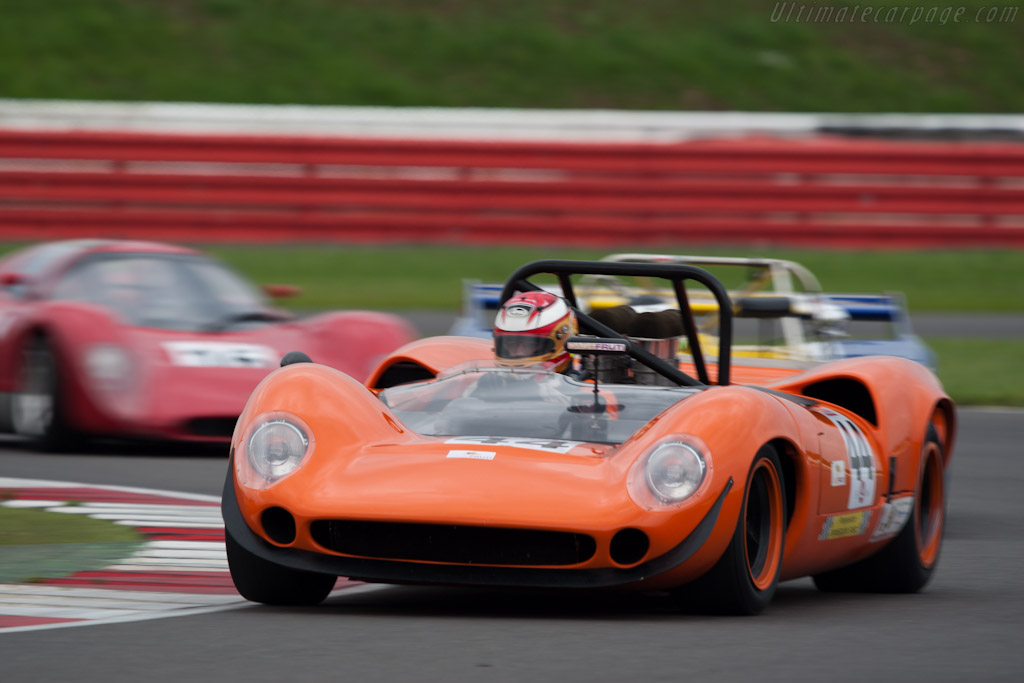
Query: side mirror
x=11 y=279
x=293 y=357
x=282 y=291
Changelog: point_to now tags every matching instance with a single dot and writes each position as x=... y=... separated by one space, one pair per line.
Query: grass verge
x=51 y=528
x=430 y=277
x=648 y=54
x=38 y=545
x=981 y=372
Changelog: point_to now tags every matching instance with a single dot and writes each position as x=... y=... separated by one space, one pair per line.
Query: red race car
x=141 y=339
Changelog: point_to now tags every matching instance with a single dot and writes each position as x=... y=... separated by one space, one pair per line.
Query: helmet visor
x=522 y=346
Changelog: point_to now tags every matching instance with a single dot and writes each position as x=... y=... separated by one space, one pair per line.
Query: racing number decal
x=860 y=460
x=202 y=354
x=862 y=466
x=549 y=445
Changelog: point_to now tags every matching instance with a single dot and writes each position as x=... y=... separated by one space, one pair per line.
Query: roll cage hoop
x=677 y=274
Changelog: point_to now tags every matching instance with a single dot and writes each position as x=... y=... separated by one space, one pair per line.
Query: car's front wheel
x=744 y=580
x=36 y=409
x=262 y=581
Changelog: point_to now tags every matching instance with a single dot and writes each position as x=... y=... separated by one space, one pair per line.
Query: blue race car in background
x=781 y=311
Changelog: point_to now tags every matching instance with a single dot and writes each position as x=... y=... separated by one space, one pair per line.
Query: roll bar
x=677 y=274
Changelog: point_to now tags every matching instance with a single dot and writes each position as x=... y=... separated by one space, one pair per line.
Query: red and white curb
x=181 y=568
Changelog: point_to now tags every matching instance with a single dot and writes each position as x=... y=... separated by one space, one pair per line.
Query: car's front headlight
x=108 y=367
x=670 y=473
x=275 y=445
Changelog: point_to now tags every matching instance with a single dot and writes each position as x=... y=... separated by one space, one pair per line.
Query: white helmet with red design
x=532 y=328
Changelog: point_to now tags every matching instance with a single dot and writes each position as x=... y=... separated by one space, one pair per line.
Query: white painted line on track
x=162 y=568
x=168 y=511
x=168 y=524
x=27 y=504
x=9 y=482
x=70 y=592
x=171 y=563
x=122 y=618
x=187 y=611
x=179 y=545
x=211 y=552
x=185 y=520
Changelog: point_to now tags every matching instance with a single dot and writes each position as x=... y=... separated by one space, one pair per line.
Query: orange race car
x=577 y=451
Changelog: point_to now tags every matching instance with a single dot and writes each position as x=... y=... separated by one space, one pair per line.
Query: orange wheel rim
x=941 y=425
x=929 y=513
x=762 y=525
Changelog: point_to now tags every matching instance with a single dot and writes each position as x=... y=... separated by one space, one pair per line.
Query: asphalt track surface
x=967 y=625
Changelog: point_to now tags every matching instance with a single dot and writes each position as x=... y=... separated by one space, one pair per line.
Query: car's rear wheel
x=744 y=580
x=906 y=564
x=36 y=408
x=262 y=581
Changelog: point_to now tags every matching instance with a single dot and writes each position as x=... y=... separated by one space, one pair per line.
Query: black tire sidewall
x=56 y=435
x=749 y=595
x=259 y=580
x=903 y=553
x=728 y=588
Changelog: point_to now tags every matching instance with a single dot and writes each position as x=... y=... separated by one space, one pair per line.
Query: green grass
x=430 y=277
x=37 y=544
x=51 y=528
x=648 y=54
x=981 y=372
x=401 y=278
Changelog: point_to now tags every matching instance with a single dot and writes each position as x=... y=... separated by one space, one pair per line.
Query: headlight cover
x=670 y=473
x=109 y=367
x=275 y=445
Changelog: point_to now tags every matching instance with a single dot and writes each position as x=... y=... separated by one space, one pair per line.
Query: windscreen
x=485 y=400
x=165 y=291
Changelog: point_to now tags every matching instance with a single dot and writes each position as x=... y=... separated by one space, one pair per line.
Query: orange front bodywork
x=367 y=466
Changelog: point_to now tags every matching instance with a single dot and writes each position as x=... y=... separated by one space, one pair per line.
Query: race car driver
x=532 y=328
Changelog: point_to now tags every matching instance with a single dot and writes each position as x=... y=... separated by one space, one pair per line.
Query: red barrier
x=820 y=192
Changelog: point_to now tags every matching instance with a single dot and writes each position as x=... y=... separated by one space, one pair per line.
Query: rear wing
x=782 y=276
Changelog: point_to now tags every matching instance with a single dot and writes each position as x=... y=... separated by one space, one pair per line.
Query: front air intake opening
x=279 y=525
x=629 y=546
x=453 y=543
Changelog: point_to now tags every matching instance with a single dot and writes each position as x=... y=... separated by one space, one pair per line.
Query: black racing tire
x=37 y=405
x=744 y=579
x=261 y=581
x=907 y=562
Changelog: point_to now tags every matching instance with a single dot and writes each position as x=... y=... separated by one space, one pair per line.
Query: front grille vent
x=453 y=544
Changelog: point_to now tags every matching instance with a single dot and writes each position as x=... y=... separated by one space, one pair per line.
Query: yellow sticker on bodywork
x=843 y=526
